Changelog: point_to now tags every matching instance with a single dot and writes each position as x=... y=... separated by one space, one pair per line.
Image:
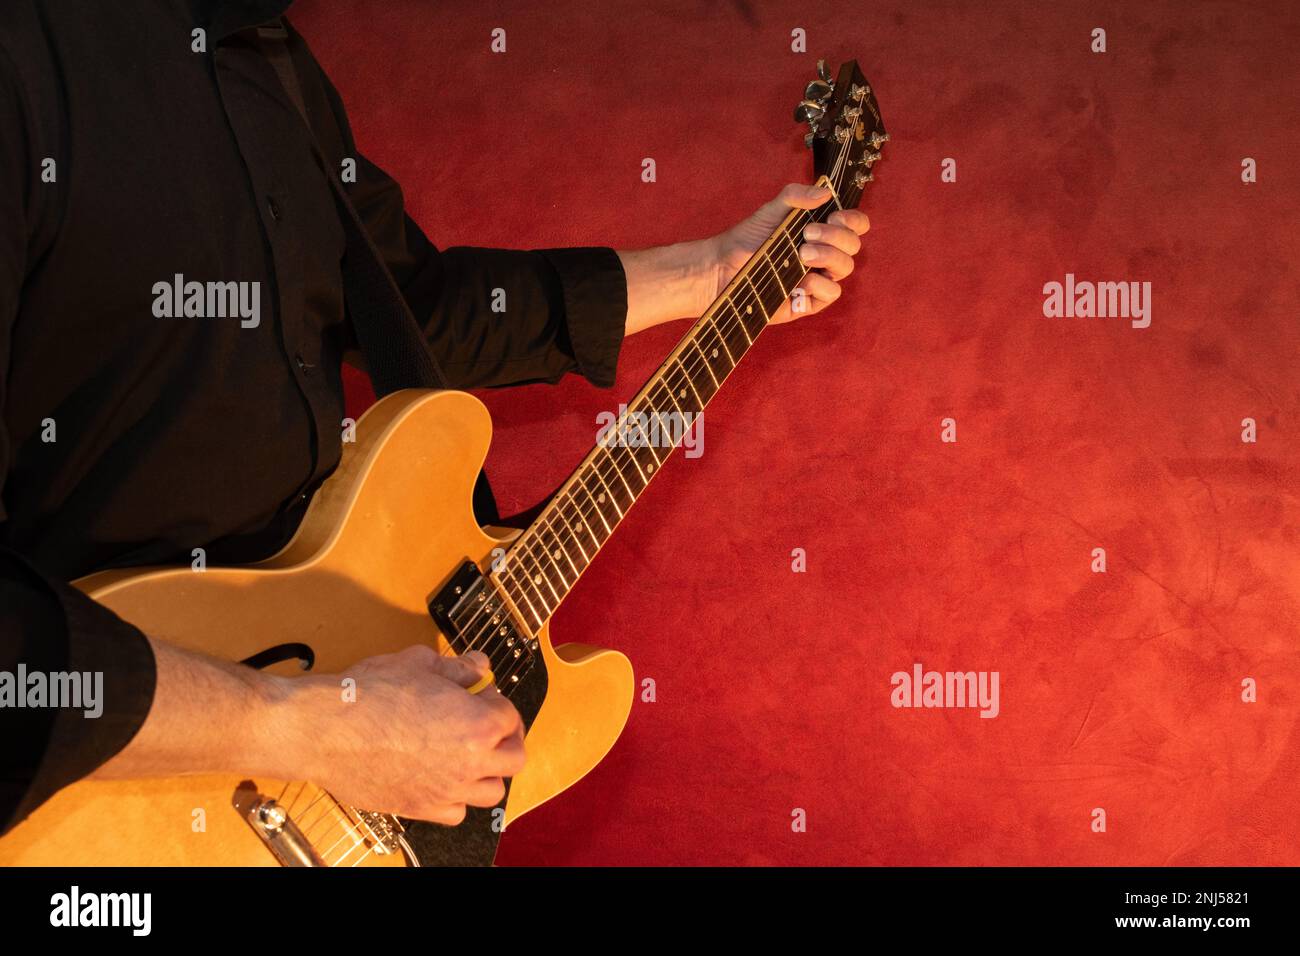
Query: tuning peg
x=868 y=158
x=824 y=72
x=809 y=138
x=809 y=111
x=861 y=179
x=877 y=138
x=817 y=90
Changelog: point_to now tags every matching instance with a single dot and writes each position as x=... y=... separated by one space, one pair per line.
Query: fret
x=551 y=544
x=642 y=453
x=736 y=316
x=584 y=501
x=711 y=349
x=694 y=343
x=717 y=333
x=561 y=537
x=666 y=392
x=574 y=511
x=602 y=496
x=626 y=475
x=577 y=515
x=626 y=453
x=682 y=384
x=738 y=339
x=755 y=297
x=522 y=585
x=533 y=566
x=654 y=420
x=613 y=480
x=778 y=289
x=553 y=553
x=636 y=419
x=544 y=568
x=780 y=285
x=791 y=264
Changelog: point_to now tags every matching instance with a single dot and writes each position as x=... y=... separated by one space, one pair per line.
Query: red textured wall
x=1119 y=690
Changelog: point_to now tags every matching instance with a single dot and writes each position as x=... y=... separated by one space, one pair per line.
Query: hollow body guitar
x=389 y=555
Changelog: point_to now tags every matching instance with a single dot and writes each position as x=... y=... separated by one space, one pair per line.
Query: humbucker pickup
x=473 y=617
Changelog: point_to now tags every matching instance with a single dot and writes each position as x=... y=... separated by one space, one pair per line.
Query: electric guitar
x=389 y=555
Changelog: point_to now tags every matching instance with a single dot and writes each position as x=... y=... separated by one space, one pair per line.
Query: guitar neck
x=549 y=557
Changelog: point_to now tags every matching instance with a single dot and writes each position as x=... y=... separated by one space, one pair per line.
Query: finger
x=803 y=196
x=812 y=295
x=465 y=670
x=854 y=219
x=487 y=792
x=809 y=297
x=797 y=196
x=841 y=237
x=836 y=263
x=507 y=759
x=821 y=290
x=492 y=720
x=451 y=814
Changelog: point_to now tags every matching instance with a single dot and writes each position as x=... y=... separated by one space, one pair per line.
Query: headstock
x=846 y=131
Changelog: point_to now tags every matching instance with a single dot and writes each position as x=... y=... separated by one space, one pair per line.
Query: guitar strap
x=391 y=339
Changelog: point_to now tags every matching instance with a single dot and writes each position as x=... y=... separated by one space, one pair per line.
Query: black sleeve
x=45 y=625
x=48 y=628
x=492 y=316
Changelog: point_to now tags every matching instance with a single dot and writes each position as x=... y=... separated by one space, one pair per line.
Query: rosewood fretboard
x=552 y=553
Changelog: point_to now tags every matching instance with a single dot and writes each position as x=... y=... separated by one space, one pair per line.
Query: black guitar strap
x=389 y=336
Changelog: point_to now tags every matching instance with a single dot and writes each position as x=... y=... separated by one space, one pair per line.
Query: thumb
x=465 y=670
x=801 y=196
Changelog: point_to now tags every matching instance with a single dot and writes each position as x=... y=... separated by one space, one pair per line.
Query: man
x=153 y=139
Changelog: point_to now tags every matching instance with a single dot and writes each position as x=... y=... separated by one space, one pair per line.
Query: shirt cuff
x=67 y=631
x=595 y=307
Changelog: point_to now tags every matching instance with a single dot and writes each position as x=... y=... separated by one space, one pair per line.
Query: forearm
x=208 y=716
x=669 y=282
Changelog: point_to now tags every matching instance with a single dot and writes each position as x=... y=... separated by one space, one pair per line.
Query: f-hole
x=303 y=653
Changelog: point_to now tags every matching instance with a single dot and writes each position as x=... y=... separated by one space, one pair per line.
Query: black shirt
x=127 y=159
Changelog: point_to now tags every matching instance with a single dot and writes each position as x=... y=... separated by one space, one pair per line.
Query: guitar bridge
x=473 y=616
x=273 y=825
x=350 y=834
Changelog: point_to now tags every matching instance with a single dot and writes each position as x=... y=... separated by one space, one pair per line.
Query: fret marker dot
x=682 y=393
x=601 y=498
x=537 y=579
x=556 y=554
x=649 y=468
x=715 y=353
x=749 y=308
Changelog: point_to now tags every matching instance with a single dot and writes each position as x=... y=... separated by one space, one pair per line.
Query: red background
x=1119 y=690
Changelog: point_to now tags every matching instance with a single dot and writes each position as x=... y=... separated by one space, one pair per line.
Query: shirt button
x=273 y=208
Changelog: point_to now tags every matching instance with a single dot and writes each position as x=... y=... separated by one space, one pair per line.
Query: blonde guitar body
x=381 y=537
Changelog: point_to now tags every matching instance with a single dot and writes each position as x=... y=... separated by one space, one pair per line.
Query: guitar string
x=565 y=521
x=691 y=367
x=618 y=466
x=571 y=535
x=725 y=331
